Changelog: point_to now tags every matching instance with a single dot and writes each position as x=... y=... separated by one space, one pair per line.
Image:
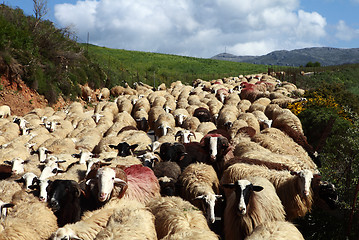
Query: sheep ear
x=26 y=161
x=294 y=173
x=229 y=185
x=75 y=155
x=19 y=180
x=7 y=205
x=113 y=146
x=119 y=181
x=199 y=197
x=257 y=188
x=132 y=147
x=8 y=162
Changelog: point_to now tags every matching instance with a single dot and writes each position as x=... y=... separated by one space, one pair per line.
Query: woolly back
x=142 y=183
x=276 y=230
x=175 y=215
x=198 y=179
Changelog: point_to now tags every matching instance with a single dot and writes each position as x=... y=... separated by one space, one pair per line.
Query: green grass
x=131 y=66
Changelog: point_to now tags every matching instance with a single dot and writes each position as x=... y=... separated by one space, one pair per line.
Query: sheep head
x=243 y=190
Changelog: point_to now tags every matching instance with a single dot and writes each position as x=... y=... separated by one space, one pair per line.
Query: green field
x=132 y=66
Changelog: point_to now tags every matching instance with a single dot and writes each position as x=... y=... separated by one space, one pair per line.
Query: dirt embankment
x=21 y=99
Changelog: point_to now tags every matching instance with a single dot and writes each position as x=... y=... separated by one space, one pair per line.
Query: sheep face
x=62 y=191
x=208 y=204
x=17 y=165
x=44 y=186
x=124 y=149
x=305 y=181
x=28 y=179
x=64 y=234
x=243 y=190
x=106 y=180
x=3 y=209
x=216 y=146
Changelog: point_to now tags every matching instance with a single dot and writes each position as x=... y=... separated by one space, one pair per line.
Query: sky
x=204 y=28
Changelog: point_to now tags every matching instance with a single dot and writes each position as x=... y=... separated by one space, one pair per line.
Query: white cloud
x=344 y=32
x=195 y=28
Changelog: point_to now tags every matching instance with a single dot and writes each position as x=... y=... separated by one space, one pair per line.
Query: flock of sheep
x=219 y=159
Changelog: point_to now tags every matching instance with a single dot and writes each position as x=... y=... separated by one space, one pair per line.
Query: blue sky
x=205 y=28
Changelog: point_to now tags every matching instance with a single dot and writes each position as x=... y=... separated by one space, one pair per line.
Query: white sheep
x=277 y=230
x=253 y=202
x=91 y=223
x=131 y=220
x=199 y=181
x=176 y=218
x=5 y=111
x=29 y=219
x=163 y=124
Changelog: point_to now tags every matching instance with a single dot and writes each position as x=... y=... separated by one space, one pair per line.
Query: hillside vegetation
x=50 y=61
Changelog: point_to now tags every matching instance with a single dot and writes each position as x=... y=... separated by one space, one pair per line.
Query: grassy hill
x=131 y=66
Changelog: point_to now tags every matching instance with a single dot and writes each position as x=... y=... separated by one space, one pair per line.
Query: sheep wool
x=132 y=220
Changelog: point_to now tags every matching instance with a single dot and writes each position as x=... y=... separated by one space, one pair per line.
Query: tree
x=40 y=10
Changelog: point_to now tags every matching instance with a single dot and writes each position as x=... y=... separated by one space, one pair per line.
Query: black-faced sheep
x=293 y=188
x=253 y=202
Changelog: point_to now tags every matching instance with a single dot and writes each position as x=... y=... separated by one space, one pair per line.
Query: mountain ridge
x=326 y=56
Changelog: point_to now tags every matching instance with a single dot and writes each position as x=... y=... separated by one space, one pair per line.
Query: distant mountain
x=326 y=56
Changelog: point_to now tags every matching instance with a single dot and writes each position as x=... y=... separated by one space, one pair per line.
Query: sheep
x=276 y=230
x=3 y=209
x=253 y=202
x=87 y=93
x=202 y=114
x=100 y=185
x=17 y=165
x=263 y=120
x=185 y=136
x=7 y=189
x=28 y=179
x=137 y=182
x=163 y=123
x=51 y=168
x=64 y=201
x=206 y=127
x=227 y=116
x=117 y=90
x=248 y=149
x=142 y=103
x=251 y=120
x=9 y=131
x=167 y=174
x=104 y=94
x=132 y=220
x=142 y=184
x=176 y=218
x=153 y=115
x=244 y=105
x=124 y=105
x=278 y=142
x=199 y=181
x=5 y=111
x=91 y=223
x=29 y=219
x=180 y=114
x=293 y=187
x=191 y=123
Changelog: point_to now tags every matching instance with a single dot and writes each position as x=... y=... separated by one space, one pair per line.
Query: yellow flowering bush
x=318 y=101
